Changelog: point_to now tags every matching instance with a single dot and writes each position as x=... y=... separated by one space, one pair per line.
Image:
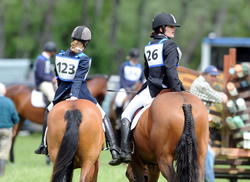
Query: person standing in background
x=201 y=87
x=8 y=126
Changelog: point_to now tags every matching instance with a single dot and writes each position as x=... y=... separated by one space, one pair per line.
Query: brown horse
x=21 y=96
x=75 y=139
x=175 y=126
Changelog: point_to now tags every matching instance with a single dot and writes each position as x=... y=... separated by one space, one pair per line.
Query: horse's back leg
x=88 y=172
x=96 y=171
x=138 y=171
x=166 y=167
x=153 y=173
x=201 y=163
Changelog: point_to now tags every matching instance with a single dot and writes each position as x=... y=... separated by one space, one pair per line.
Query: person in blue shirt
x=161 y=57
x=44 y=76
x=131 y=74
x=8 y=126
x=72 y=67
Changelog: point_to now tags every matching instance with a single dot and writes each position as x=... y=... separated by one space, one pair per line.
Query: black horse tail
x=186 y=150
x=63 y=167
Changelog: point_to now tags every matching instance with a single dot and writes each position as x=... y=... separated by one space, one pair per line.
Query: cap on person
x=81 y=33
x=211 y=70
x=134 y=53
x=2 y=89
x=50 y=47
x=164 y=19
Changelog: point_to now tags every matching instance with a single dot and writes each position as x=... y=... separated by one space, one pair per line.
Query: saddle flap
x=138 y=115
x=37 y=99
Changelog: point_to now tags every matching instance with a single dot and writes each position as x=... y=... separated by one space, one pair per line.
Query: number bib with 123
x=66 y=67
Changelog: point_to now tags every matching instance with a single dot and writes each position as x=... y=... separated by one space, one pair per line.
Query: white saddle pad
x=137 y=116
x=37 y=99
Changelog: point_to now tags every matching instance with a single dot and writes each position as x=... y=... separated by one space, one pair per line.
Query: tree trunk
x=47 y=22
x=141 y=23
x=2 y=34
x=114 y=22
x=190 y=50
x=220 y=19
x=85 y=16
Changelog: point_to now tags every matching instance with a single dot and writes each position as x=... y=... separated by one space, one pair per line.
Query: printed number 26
x=152 y=55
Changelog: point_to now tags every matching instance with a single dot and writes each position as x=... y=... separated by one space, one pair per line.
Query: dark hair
x=157 y=31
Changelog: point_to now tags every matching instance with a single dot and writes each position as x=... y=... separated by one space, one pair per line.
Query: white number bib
x=153 y=54
x=132 y=73
x=66 y=67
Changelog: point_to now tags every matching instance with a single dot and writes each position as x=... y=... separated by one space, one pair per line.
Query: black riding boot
x=42 y=149
x=2 y=166
x=125 y=141
x=111 y=140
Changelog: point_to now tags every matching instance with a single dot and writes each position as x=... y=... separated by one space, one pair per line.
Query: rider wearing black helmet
x=44 y=76
x=72 y=67
x=161 y=57
x=131 y=73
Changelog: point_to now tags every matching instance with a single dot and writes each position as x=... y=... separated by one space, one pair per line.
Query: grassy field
x=32 y=168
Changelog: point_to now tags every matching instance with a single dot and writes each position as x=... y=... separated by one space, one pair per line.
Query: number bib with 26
x=153 y=55
x=66 y=67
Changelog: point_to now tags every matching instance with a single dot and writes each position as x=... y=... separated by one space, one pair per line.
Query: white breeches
x=120 y=97
x=48 y=90
x=142 y=99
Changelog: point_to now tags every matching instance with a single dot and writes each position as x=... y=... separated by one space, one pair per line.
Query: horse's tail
x=69 y=145
x=186 y=150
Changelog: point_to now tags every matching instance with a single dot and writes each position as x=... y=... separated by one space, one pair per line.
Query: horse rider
x=161 y=56
x=201 y=87
x=44 y=75
x=8 y=126
x=72 y=67
x=131 y=74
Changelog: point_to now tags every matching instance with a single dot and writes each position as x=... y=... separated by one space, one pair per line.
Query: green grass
x=32 y=168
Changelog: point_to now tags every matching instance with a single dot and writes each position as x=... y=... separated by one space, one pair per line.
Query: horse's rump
x=91 y=133
x=160 y=131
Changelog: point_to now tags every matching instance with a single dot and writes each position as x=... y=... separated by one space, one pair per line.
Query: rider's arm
x=171 y=61
x=41 y=71
x=122 y=77
x=80 y=76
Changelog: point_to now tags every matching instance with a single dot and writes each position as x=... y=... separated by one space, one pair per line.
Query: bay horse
x=174 y=127
x=21 y=96
x=75 y=139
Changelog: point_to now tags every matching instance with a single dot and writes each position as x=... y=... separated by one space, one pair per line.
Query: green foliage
x=24 y=22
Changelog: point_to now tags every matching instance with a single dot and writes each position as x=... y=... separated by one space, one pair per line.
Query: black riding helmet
x=164 y=19
x=134 y=53
x=50 y=47
x=81 y=33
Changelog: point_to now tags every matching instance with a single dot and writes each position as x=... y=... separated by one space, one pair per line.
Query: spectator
x=201 y=87
x=8 y=126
